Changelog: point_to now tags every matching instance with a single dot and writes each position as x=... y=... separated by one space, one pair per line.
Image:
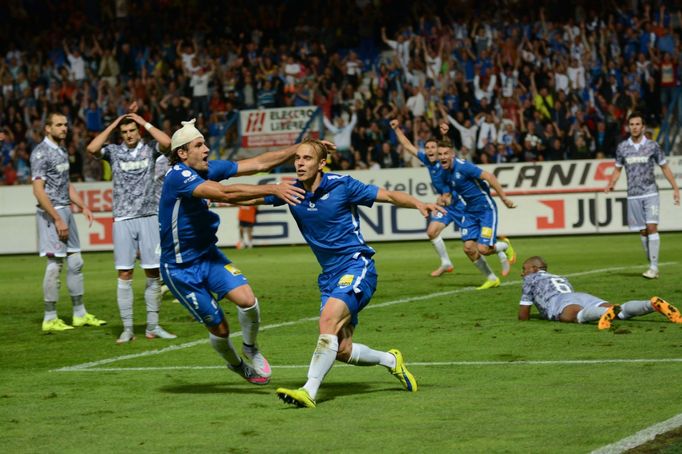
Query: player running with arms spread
x=328 y=220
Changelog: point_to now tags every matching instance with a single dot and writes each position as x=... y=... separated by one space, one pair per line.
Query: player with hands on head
x=135 y=208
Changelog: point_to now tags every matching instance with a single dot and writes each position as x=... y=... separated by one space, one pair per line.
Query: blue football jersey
x=328 y=219
x=187 y=227
x=464 y=180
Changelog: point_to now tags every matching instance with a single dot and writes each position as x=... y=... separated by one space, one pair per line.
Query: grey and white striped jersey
x=540 y=288
x=50 y=163
x=133 y=176
x=639 y=161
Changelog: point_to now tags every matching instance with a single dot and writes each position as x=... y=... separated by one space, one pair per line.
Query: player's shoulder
x=338 y=179
x=178 y=173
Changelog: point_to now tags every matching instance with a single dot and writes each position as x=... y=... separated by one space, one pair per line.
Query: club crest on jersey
x=233 y=270
x=325 y=197
x=486 y=232
x=346 y=280
x=311 y=206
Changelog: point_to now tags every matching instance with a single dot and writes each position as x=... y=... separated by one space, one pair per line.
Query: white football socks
x=590 y=314
x=654 y=247
x=635 y=308
x=223 y=346
x=321 y=362
x=152 y=299
x=439 y=245
x=362 y=355
x=484 y=268
x=124 y=298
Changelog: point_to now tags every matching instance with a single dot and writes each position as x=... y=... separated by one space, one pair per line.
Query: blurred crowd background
x=517 y=81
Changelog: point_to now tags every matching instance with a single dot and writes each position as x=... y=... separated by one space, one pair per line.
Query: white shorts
x=643 y=211
x=560 y=301
x=48 y=240
x=137 y=235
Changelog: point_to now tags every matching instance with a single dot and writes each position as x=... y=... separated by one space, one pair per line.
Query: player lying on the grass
x=329 y=222
x=191 y=264
x=479 y=226
x=555 y=299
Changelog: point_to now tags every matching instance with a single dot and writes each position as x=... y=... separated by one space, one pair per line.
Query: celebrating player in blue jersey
x=191 y=264
x=454 y=211
x=328 y=219
x=555 y=299
x=479 y=228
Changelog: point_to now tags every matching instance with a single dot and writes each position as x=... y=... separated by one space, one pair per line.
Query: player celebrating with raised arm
x=479 y=229
x=555 y=299
x=638 y=155
x=57 y=231
x=454 y=211
x=192 y=266
x=136 y=224
x=329 y=222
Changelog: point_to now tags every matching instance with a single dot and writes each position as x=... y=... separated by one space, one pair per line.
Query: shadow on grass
x=215 y=388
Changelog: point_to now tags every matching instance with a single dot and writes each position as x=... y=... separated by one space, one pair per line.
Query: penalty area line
x=641 y=437
x=567 y=362
x=185 y=345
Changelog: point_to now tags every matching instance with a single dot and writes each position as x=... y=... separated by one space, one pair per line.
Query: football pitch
x=487 y=382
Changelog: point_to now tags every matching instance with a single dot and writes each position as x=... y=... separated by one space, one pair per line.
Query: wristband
x=148 y=126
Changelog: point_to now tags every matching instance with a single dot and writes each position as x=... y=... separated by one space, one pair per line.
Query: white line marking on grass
x=415 y=364
x=641 y=437
x=308 y=319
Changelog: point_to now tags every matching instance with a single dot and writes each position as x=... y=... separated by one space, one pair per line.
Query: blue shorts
x=194 y=285
x=355 y=286
x=454 y=214
x=480 y=224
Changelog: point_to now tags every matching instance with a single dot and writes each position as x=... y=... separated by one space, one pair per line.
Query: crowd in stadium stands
x=518 y=81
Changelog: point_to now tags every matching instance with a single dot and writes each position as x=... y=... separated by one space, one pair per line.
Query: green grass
x=461 y=407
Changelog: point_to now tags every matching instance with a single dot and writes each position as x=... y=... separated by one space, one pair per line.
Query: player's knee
x=221 y=330
x=344 y=353
x=125 y=275
x=433 y=230
x=485 y=249
x=75 y=262
x=54 y=267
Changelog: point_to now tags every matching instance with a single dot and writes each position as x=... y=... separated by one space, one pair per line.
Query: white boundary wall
x=553 y=198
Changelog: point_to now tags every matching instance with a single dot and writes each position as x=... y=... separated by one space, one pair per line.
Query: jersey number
x=193 y=299
x=561 y=285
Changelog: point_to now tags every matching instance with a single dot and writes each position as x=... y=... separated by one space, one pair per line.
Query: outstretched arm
x=402 y=138
x=235 y=193
x=265 y=161
x=492 y=181
x=405 y=200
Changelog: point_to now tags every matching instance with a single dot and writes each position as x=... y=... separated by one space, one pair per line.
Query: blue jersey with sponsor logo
x=188 y=228
x=435 y=172
x=439 y=179
x=464 y=180
x=328 y=220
